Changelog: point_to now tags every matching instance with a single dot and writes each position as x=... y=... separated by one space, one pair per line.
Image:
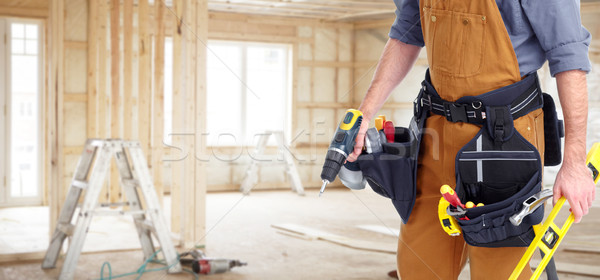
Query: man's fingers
x=584 y=207
x=557 y=194
x=577 y=213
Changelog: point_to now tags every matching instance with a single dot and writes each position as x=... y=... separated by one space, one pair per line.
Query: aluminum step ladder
x=251 y=177
x=135 y=179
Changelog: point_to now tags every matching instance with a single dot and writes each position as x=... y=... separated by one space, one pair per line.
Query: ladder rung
x=79 y=184
x=66 y=228
x=118 y=212
x=131 y=183
x=115 y=204
x=146 y=224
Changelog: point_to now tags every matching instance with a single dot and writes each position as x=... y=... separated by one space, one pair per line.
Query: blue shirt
x=539 y=30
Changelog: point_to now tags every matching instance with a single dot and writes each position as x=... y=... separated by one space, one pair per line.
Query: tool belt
x=498 y=167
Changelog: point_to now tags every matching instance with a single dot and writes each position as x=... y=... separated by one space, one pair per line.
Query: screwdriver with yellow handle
x=548 y=236
x=341 y=146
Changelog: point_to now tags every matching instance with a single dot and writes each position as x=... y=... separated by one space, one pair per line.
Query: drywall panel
x=75 y=70
x=408 y=89
x=76 y=20
x=325 y=44
x=303 y=126
x=362 y=80
x=325 y=123
x=369 y=44
x=344 y=82
x=345 y=45
x=305 y=31
x=240 y=27
x=304 y=84
x=304 y=51
x=219 y=174
x=70 y=165
x=324 y=87
x=75 y=119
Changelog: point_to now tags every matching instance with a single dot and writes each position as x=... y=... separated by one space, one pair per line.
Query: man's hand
x=575 y=183
x=360 y=140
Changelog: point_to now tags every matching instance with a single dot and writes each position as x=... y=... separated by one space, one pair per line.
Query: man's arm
x=574 y=180
x=395 y=62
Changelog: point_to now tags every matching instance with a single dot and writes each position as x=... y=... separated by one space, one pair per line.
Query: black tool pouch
x=500 y=169
x=393 y=172
x=553 y=132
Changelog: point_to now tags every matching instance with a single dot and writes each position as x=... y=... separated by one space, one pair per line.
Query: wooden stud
x=92 y=58
x=189 y=165
x=23 y=12
x=115 y=96
x=177 y=206
x=103 y=80
x=128 y=69
x=200 y=184
x=158 y=104
x=144 y=77
x=55 y=111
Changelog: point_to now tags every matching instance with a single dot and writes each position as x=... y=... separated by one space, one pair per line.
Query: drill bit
x=325 y=182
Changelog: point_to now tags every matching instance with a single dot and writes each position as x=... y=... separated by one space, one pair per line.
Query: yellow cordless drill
x=341 y=146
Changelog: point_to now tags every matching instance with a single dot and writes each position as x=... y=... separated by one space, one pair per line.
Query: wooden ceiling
x=331 y=10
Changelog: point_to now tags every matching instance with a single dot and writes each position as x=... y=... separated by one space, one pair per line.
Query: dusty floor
x=239 y=227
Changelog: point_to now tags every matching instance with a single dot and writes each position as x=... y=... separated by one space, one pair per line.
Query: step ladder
x=251 y=177
x=135 y=179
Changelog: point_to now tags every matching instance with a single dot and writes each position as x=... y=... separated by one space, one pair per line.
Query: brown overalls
x=469 y=53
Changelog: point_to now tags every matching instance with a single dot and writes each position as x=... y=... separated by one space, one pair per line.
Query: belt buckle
x=456 y=112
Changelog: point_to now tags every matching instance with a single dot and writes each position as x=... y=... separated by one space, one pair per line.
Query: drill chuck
x=333 y=163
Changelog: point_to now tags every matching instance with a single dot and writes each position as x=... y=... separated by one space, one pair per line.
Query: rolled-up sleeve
x=407 y=27
x=557 y=25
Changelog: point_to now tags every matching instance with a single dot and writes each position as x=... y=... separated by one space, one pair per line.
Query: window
x=248 y=91
x=20 y=94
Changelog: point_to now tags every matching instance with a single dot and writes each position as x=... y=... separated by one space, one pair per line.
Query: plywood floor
x=239 y=227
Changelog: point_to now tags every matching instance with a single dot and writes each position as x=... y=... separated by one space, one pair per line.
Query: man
x=474 y=47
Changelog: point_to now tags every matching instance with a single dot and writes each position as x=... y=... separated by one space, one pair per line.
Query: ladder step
x=146 y=224
x=131 y=183
x=118 y=212
x=80 y=184
x=66 y=228
x=115 y=204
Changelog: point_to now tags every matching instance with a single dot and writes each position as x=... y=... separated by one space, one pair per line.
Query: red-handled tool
x=450 y=195
x=389 y=130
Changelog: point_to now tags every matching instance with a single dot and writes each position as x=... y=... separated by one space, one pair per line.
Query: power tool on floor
x=341 y=146
x=203 y=265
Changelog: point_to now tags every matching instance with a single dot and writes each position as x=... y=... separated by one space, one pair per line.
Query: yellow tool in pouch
x=448 y=222
x=549 y=235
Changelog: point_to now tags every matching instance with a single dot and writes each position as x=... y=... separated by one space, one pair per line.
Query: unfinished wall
x=105 y=80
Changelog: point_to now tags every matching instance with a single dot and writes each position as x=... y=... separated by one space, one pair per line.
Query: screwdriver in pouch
x=341 y=146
